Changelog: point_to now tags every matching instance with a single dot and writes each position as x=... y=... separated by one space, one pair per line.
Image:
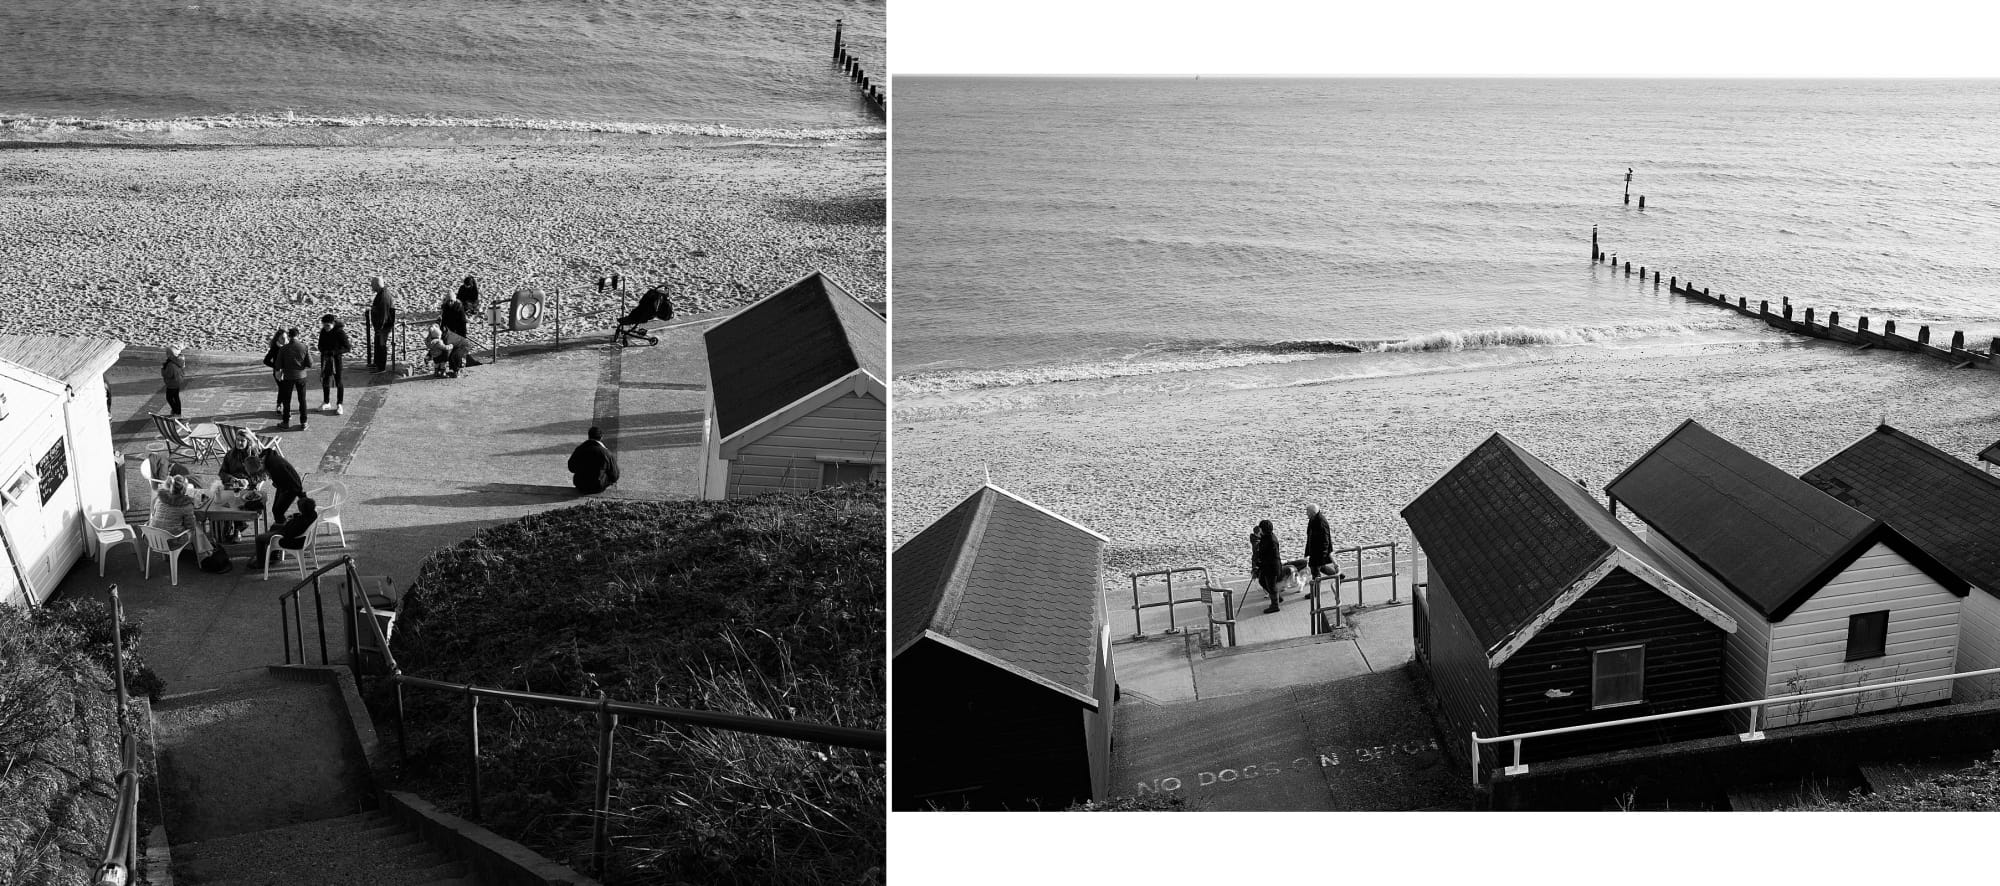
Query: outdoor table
x=218 y=514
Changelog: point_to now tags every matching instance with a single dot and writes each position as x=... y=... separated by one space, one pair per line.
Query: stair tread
x=369 y=849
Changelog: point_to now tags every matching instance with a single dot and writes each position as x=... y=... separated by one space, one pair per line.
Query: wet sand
x=1178 y=477
x=214 y=246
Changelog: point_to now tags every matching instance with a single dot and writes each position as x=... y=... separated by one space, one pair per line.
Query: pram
x=631 y=329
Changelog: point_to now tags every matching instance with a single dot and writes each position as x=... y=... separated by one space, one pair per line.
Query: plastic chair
x=329 y=496
x=146 y=473
x=182 y=440
x=110 y=530
x=160 y=541
x=309 y=546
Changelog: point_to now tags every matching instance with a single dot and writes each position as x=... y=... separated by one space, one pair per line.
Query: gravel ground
x=214 y=246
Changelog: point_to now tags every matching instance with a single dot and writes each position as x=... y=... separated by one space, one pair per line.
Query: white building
x=56 y=460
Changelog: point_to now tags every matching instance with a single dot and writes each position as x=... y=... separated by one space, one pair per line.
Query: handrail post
x=601 y=826
x=1138 y=626
x=1172 y=626
x=1475 y=758
x=285 y=629
x=1392 y=572
x=319 y=612
x=402 y=731
x=353 y=620
x=472 y=762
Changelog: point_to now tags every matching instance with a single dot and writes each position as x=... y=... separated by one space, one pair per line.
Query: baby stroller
x=631 y=330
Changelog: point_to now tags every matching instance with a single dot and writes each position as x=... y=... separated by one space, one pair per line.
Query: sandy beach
x=214 y=246
x=1177 y=478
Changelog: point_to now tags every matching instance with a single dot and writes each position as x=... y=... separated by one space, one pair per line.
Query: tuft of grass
x=772 y=606
x=1973 y=789
x=1161 y=802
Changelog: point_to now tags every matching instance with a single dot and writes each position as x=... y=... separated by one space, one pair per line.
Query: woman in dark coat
x=382 y=318
x=1265 y=561
x=451 y=316
x=592 y=467
x=468 y=295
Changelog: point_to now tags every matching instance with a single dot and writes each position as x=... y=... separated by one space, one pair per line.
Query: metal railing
x=121 y=846
x=1755 y=708
x=1138 y=629
x=608 y=711
x=1316 y=612
x=1361 y=577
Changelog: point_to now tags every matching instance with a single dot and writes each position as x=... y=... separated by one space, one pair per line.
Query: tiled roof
x=1509 y=535
x=1770 y=537
x=1943 y=504
x=1009 y=580
x=60 y=357
x=787 y=345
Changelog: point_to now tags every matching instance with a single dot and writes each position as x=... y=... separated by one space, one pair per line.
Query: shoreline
x=216 y=247
x=1176 y=478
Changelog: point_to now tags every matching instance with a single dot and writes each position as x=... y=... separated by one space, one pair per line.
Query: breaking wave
x=87 y=127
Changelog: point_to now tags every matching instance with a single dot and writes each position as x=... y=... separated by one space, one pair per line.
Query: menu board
x=54 y=469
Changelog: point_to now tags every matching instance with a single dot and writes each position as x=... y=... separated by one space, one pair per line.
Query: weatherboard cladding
x=1769 y=536
x=1027 y=588
x=776 y=351
x=1942 y=504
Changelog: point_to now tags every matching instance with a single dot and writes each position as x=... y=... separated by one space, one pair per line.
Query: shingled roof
x=1008 y=581
x=1512 y=538
x=1943 y=504
x=1770 y=537
x=788 y=345
x=61 y=357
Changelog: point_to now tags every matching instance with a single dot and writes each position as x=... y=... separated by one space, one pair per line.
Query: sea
x=436 y=71
x=1061 y=238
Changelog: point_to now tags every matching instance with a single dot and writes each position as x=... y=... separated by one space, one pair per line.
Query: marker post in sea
x=1628 y=185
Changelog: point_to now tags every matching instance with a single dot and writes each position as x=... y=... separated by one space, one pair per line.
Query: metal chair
x=309 y=546
x=110 y=530
x=239 y=437
x=184 y=441
x=160 y=541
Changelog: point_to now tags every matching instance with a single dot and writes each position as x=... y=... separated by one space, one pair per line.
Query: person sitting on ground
x=1265 y=562
x=593 y=467
x=290 y=534
x=173 y=511
x=452 y=315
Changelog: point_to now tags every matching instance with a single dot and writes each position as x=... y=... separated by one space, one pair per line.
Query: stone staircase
x=367 y=848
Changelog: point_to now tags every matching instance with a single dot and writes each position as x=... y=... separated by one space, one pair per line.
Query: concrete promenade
x=427 y=462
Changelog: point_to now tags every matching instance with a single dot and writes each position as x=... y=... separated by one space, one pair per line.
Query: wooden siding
x=1465 y=686
x=1097 y=724
x=1809 y=648
x=973 y=736
x=1978 y=646
x=787 y=459
x=1684 y=654
x=1746 y=653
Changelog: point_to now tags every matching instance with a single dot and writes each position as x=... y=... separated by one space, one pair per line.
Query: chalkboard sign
x=54 y=469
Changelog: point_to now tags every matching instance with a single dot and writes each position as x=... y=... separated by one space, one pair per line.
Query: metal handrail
x=1756 y=708
x=1138 y=629
x=121 y=846
x=608 y=712
x=1360 y=576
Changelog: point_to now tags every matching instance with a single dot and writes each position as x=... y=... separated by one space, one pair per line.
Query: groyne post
x=1673 y=283
x=1642 y=202
x=1863 y=325
x=1958 y=340
x=1593 y=243
x=1924 y=335
x=1628 y=269
x=1764 y=307
x=1809 y=313
x=1994 y=346
x=1888 y=327
x=836 y=38
x=1628 y=185
x=1788 y=310
x=1832 y=318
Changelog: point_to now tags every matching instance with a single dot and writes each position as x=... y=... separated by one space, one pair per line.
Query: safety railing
x=121 y=846
x=1359 y=580
x=292 y=619
x=608 y=712
x=1315 y=608
x=1756 y=709
x=1173 y=627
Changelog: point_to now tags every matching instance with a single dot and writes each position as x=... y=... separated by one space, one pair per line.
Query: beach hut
x=1946 y=506
x=1543 y=611
x=1824 y=596
x=797 y=393
x=1001 y=656
x=56 y=461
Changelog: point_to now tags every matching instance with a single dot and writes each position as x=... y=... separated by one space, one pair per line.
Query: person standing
x=382 y=319
x=1319 y=542
x=333 y=343
x=271 y=359
x=293 y=361
x=468 y=296
x=174 y=372
x=593 y=467
x=1265 y=560
x=286 y=484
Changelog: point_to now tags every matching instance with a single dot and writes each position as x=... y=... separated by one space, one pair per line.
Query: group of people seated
x=249 y=477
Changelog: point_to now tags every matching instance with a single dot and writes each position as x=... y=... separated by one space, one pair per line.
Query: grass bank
x=773 y=606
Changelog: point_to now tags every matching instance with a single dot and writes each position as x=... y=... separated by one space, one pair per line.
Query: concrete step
x=271 y=753
x=367 y=850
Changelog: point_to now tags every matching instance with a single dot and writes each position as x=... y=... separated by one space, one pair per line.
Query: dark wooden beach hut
x=1543 y=611
x=1946 y=506
x=798 y=393
x=1824 y=596
x=1001 y=657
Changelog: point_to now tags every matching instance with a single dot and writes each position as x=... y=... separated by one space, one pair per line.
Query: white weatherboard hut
x=797 y=393
x=1824 y=596
x=56 y=461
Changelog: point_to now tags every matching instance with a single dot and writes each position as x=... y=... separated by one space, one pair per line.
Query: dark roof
x=1942 y=504
x=790 y=344
x=1509 y=535
x=60 y=357
x=1008 y=579
x=1770 y=537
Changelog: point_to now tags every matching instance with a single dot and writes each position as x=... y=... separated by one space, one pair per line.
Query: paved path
x=427 y=462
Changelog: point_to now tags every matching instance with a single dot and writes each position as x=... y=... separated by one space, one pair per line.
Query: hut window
x=1867 y=635
x=1617 y=676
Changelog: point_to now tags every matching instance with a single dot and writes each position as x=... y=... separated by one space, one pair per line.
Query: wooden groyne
x=1805 y=321
x=849 y=65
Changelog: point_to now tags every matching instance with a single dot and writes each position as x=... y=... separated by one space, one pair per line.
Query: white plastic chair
x=146 y=471
x=110 y=530
x=160 y=541
x=329 y=497
x=310 y=547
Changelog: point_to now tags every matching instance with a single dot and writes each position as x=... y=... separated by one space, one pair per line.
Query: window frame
x=1596 y=705
x=1881 y=649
